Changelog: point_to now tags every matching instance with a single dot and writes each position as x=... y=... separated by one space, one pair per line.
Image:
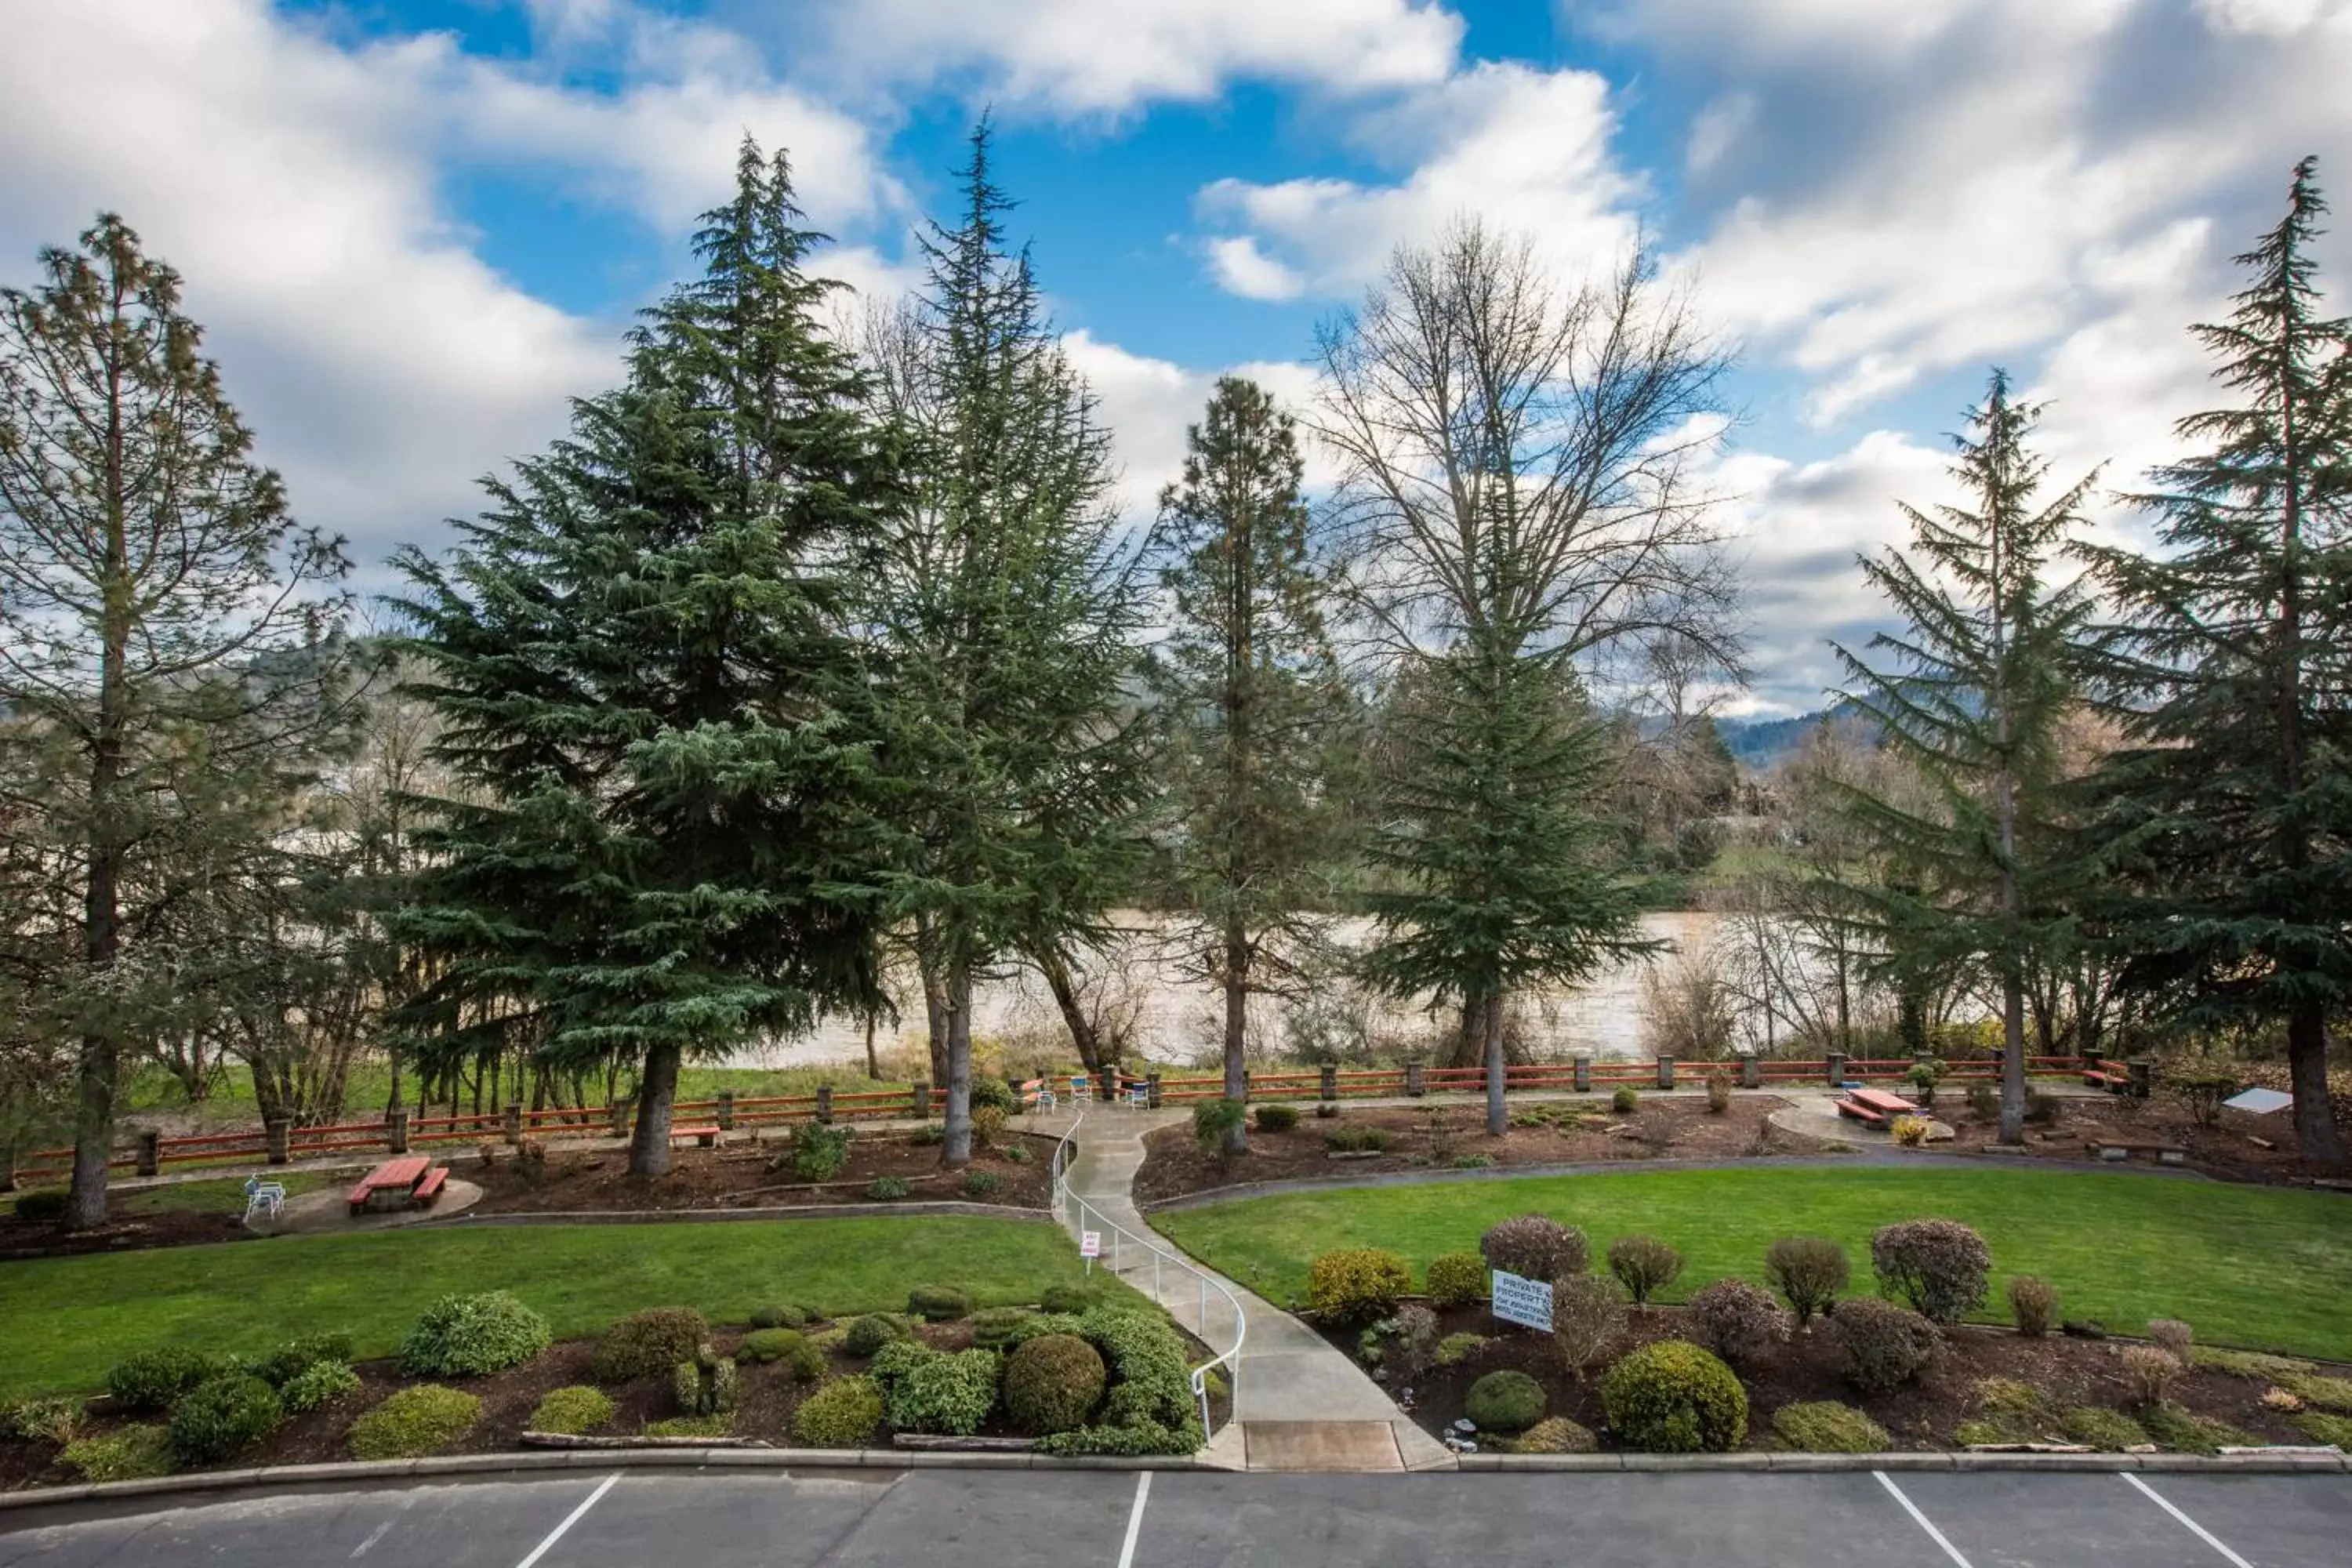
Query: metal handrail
x=1074 y=1212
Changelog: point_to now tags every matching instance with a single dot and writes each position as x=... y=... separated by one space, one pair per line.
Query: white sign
x=1522 y=1301
x=1090 y=1246
x=2261 y=1101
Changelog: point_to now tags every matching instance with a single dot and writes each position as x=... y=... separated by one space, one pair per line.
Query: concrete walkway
x=1298 y=1404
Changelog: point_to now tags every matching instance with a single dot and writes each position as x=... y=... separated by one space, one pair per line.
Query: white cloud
x=1108 y=56
x=1243 y=269
x=2277 y=18
x=1149 y=403
x=1526 y=147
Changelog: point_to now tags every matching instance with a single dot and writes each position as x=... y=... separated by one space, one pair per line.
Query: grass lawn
x=69 y=1319
x=2262 y=1268
x=223 y=1194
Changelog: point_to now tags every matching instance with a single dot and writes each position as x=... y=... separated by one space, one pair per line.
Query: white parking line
x=569 y=1520
x=2198 y=1531
x=1918 y=1519
x=1134 y=1520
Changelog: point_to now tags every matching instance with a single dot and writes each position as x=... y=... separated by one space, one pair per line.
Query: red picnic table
x=1875 y=1105
x=404 y=1183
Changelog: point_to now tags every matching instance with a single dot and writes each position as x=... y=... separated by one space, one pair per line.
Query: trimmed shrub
x=784 y=1315
x=1625 y=1101
x=764 y=1346
x=1505 y=1402
x=2203 y=1093
x=1035 y=1326
x=939 y=1303
x=125 y=1454
x=993 y=1328
x=1075 y=1297
x=980 y=1184
x=1355 y=1284
x=1456 y=1280
x=1673 y=1397
x=1215 y=1121
x=1644 y=1265
x=319 y=1384
x=987 y=1125
x=819 y=1151
x=1808 y=1272
x=1455 y=1349
x=1276 y=1118
x=1553 y=1435
x=842 y=1413
x=706 y=1385
x=1825 y=1426
x=2033 y=1302
x=947 y=1394
x=221 y=1419
x=152 y=1380
x=994 y=1094
x=573 y=1411
x=1053 y=1384
x=1718 y=1093
x=871 y=1332
x=2173 y=1337
x=45 y=1207
x=1886 y=1346
x=292 y=1359
x=1910 y=1131
x=718 y=1424
x=2150 y=1373
x=1936 y=1266
x=1149 y=1408
x=1735 y=1320
x=466 y=1336
x=647 y=1344
x=1356 y=1140
x=888 y=1189
x=1587 y=1315
x=1534 y=1246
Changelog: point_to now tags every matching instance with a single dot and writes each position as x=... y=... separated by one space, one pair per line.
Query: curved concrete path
x=1298 y=1404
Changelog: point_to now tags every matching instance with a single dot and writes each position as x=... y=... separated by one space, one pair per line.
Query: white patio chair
x=1082 y=1090
x=263 y=1198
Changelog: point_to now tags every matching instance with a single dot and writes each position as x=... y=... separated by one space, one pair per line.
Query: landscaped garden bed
x=1089 y=1368
x=1362 y=1141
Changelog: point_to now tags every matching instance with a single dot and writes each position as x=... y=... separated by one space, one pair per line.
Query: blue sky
x=416 y=226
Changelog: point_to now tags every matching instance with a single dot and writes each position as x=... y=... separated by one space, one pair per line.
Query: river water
x=1179 y=1020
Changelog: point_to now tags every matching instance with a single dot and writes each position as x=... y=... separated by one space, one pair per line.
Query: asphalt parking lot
x=1181 y=1520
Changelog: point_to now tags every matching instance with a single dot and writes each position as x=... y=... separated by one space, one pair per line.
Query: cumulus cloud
x=1151 y=402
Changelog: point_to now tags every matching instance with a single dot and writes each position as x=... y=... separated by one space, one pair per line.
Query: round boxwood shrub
x=1673 y=1397
x=1075 y=1297
x=319 y=1384
x=413 y=1422
x=1456 y=1279
x=466 y=1336
x=947 y=1395
x=1534 y=1247
x=994 y=1093
x=1885 y=1347
x=1625 y=1101
x=800 y=1357
x=1276 y=1118
x=1053 y=1384
x=1505 y=1402
x=871 y=1332
x=571 y=1411
x=1735 y=1319
x=842 y=1413
x=1552 y=1435
x=1356 y=1284
x=888 y=1189
x=939 y=1303
x=784 y=1315
x=153 y=1379
x=221 y=1419
x=647 y=1344
x=1825 y=1426
x=1939 y=1267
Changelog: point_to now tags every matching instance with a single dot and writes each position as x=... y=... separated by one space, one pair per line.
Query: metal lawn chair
x=263 y=1198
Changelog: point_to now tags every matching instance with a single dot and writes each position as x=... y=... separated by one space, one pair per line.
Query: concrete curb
x=2285 y=1463
x=880 y=1460
x=935 y=1207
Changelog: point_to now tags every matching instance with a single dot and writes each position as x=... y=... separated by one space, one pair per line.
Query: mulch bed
x=1435 y=1137
x=766 y=1398
x=1920 y=1417
x=20 y=1238
x=2226 y=1151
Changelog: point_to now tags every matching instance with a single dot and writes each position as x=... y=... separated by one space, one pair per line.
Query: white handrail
x=1074 y=1212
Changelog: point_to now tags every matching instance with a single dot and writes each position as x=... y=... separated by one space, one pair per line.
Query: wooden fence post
x=1837 y=1069
x=150 y=1151
x=512 y=1130
x=395 y=1129
x=2143 y=1076
x=1751 y=1072
x=824 y=1103
x=275 y=1139
x=726 y=1110
x=1151 y=1089
x=1331 y=1084
x=1415 y=1086
x=1583 y=1072
x=620 y=1119
x=1665 y=1072
x=1106 y=1090
x=923 y=1097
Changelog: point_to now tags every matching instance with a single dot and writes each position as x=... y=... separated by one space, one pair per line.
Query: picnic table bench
x=708 y=1137
x=2125 y=1148
x=411 y=1181
x=1875 y=1107
x=2113 y=1083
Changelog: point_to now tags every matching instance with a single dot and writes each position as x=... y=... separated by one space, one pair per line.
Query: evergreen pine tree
x=2229 y=811
x=661 y=844
x=166 y=641
x=1254 y=703
x=1978 y=685
x=1005 y=616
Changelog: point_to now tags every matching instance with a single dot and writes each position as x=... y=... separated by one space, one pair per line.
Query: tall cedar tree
x=1975 y=692
x=1254 y=703
x=1486 y=823
x=659 y=845
x=2229 y=811
x=1006 y=618
x=165 y=635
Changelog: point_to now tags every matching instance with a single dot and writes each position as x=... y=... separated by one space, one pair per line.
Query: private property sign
x=1522 y=1302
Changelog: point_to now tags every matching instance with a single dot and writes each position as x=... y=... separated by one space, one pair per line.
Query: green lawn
x=69 y=1319
x=2262 y=1268
x=223 y=1195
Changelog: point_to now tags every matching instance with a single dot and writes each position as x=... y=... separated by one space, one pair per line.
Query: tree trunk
x=872 y=1063
x=1491 y=1023
x=935 y=1001
x=2315 y=1133
x=1237 y=957
x=956 y=1147
x=649 y=1142
x=1064 y=985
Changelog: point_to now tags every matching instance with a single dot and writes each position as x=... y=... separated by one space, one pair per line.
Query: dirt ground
x=766 y=1398
x=20 y=1238
x=2227 y=1151
x=1920 y=1417
x=1426 y=1137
